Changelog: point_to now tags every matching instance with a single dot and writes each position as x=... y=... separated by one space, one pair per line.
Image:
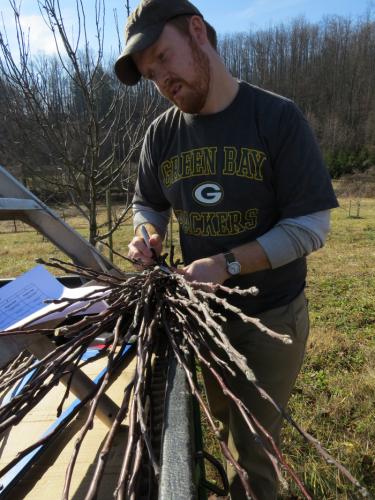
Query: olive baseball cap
x=143 y=28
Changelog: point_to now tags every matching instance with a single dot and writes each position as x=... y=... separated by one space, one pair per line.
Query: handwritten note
x=23 y=300
x=26 y=295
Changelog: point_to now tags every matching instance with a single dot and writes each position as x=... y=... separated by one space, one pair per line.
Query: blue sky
x=226 y=16
x=243 y=15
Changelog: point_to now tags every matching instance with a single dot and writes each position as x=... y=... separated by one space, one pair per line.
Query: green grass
x=334 y=398
x=18 y=250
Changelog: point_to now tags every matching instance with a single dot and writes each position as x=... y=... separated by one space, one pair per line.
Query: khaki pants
x=276 y=366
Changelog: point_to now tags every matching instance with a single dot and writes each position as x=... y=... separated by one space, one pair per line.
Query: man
x=242 y=171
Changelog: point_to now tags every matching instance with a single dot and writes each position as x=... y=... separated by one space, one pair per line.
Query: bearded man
x=241 y=169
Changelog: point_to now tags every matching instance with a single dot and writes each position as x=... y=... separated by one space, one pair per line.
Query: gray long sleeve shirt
x=288 y=240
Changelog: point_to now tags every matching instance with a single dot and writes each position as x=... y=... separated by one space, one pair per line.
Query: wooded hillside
x=72 y=111
x=328 y=69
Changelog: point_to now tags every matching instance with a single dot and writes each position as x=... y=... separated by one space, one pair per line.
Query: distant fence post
x=356 y=206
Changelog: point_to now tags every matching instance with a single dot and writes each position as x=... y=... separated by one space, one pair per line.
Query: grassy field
x=20 y=245
x=334 y=398
x=335 y=394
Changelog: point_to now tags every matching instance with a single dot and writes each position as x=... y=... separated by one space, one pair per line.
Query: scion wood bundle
x=191 y=317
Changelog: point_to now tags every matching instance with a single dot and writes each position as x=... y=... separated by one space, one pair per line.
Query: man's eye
x=161 y=57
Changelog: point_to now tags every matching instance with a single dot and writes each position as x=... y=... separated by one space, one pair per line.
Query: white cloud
x=40 y=35
x=35 y=29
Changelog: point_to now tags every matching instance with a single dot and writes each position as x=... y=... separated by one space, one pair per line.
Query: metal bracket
x=18 y=202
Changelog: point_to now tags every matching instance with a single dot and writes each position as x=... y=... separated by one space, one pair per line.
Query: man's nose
x=163 y=80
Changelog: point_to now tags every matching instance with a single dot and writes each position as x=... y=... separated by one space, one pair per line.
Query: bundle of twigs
x=191 y=316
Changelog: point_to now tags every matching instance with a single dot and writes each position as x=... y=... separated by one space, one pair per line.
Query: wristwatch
x=233 y=266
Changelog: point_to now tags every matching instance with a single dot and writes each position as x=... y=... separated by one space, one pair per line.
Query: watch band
x=229 y=257
x=233 y=266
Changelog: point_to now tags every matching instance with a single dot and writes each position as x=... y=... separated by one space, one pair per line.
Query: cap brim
x=125 y=68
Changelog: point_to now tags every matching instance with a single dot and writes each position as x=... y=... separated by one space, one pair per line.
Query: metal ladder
x=177 y=480
x=17 y=202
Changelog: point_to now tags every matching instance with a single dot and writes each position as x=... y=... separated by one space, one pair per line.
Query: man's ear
x=198 y=30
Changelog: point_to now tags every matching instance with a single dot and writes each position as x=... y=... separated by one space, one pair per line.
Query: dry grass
x=358 y=185
x=335 y=393
x=18 y=250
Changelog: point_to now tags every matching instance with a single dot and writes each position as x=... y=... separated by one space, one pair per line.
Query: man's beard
x=195 y=92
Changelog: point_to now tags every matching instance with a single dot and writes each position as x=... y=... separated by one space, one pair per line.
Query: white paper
x=22 y=302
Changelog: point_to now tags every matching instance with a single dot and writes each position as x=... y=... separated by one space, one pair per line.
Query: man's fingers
x=156 y=243
x=179 y=270
x=185 y=272
x=138 y=250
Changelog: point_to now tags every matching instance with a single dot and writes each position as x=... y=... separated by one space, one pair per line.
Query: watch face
x=234 y=267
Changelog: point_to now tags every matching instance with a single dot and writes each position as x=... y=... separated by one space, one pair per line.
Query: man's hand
x=214 y=269
x=138 y=249
x=207 y=270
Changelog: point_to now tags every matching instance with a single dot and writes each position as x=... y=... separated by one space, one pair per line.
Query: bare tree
x=71 y=121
